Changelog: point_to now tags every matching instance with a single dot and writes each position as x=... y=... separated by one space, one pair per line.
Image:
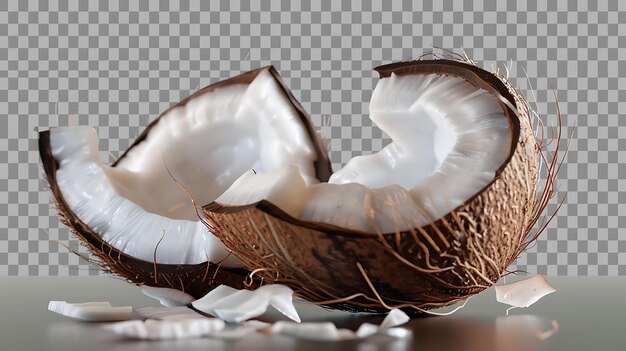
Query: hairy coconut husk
x=194 y=279
x=431 y=266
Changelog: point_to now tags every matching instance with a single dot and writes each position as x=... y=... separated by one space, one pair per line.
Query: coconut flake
x=92 y=311
x=281 y=298
x=394 y=318
x=153 y=329
x=523 y=293
x=321 y=331
x=166 y=296
x=235 y=306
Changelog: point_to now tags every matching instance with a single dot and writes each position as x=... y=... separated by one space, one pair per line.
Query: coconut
x=433 y=218
x=137 y=216
x=436 y=216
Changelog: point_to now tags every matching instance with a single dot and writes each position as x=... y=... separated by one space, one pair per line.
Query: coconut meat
x=206 y=144
x=449 y=139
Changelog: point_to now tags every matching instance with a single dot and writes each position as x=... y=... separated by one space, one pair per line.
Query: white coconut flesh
x=206 y=144
x=449 y=138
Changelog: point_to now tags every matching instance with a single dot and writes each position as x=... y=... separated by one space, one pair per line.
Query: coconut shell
x=454 y=257
x=194 y=279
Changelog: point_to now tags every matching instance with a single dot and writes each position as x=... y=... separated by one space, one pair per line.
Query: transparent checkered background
x=115 y=66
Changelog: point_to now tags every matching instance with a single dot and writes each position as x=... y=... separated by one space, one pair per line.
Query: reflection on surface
x=512 y=333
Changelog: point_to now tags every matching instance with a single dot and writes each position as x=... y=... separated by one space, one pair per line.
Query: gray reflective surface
x=590 y=313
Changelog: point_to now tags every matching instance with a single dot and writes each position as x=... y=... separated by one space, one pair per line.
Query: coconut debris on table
x=230 y=305
x=523 y=293
x=92 y=311
x=327 y=331
x=153 y=329
x=235 y=306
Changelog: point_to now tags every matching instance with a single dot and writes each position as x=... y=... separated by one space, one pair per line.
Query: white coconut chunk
x=241 y=306
x=92 y=311
x=207 y=302
x=206 y=144
x=320 y=331
x=168 y=313
x=449 y=139
x=394 y=318
x=367 y=329
x=152 y=329
x=166 y=296
x=236 y=306
x=524 y=293
x=281 y=298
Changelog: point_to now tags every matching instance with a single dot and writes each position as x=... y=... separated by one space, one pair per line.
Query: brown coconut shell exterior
x=194 y=279
x=456 y=256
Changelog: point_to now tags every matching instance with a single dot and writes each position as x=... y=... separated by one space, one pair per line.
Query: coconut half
x=136 y=215
x=437 y=215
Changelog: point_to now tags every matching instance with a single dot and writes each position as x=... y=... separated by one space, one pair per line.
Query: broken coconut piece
x=152 y=329
x=439 y=124
x=446 y=206
x=92 y=311
x=134 y=214
x=235 y=306
x=327 y=331
x=166 y=296
x=525 y=292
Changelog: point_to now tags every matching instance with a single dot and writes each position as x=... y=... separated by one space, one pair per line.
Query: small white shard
x=92 y=311
x=323 y=331
x=153 y=329
x=240 y=306
x=236 y=306
x=524 y=293
x=281 y=298
x=367 y=329
x=168 y=313
x=395 y=318
x=166 y=296
x=397 y=332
